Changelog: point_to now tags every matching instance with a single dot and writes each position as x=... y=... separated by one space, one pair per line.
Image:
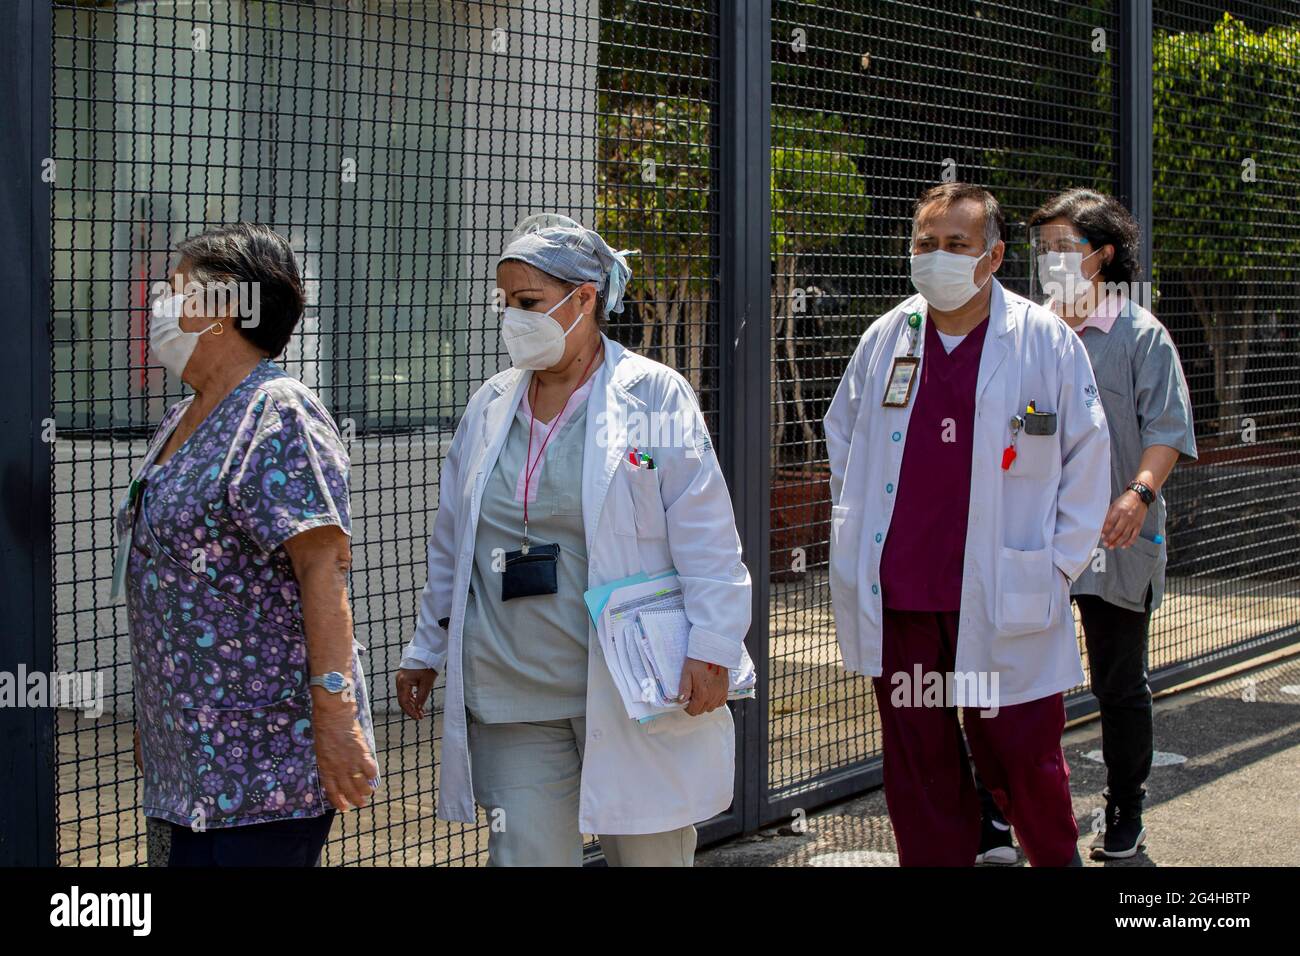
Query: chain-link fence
x=397 y=143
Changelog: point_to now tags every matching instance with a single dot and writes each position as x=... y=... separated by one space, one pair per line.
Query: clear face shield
x=1061 y=259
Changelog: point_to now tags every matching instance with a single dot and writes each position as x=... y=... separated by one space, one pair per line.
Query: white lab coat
x=636 y=778
x=1042 y=515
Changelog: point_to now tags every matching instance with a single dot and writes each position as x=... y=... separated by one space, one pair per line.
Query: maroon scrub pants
x=933 y=806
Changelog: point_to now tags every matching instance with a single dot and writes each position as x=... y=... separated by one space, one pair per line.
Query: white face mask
x=946 y=279
x=172 y=346
x=1061 y=276
x=535 y=340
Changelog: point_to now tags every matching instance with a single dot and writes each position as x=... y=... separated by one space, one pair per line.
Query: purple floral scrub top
x=221 y=694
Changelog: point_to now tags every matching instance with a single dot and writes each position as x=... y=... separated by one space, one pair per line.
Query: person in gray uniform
x=1085 y=245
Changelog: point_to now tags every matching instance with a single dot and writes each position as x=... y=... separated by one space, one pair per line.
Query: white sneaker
x=995 y=844
x=999 y=855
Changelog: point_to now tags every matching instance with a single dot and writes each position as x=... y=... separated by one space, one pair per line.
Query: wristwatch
x=334 y=682
x=1142 y=491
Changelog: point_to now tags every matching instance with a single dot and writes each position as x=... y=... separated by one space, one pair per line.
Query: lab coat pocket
x=678 y=723
x=673 y=724
x=1028 y=591
x=622 y=513
x=647 y=504
x=649 y=519
x=1037 y=456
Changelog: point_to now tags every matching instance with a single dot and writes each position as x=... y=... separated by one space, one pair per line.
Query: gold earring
x=218 y=328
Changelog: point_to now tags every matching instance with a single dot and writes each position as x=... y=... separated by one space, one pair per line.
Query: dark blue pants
x=296 y=842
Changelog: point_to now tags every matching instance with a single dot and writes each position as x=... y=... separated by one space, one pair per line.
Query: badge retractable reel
x=902 y=374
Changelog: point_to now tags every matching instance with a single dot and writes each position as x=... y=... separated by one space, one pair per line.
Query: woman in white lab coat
x=539 y=501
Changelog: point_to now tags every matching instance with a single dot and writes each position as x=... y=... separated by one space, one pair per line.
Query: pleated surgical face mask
x=535 y=340
x=946 y=279
x=171 y=345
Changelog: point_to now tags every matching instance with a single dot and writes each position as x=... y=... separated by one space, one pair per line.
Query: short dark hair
x=1103 y=220
x=948 y=194
x=250 y=252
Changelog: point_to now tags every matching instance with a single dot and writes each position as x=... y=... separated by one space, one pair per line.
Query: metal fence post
x=27 y=824
x=1137 y=117
x=744 y=337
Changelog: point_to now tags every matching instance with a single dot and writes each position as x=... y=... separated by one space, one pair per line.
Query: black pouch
x=526 y=575
x=1040 y=423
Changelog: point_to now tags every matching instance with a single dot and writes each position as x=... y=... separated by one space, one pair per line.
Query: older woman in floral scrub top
x=233 y=554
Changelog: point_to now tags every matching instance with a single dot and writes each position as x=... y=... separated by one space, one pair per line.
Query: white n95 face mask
x=946 y=279
x=535 y=340
x=171 y=345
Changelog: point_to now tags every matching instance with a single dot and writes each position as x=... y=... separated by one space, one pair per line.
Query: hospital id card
x=902 y=376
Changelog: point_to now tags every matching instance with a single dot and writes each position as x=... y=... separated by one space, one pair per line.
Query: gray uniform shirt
x=1142 y=389
x=526 y=659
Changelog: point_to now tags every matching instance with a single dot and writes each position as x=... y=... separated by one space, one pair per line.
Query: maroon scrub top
x=921 y=566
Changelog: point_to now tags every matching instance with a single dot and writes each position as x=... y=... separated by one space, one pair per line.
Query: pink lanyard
x=530 y=464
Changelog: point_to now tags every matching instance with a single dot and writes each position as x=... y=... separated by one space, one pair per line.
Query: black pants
x=1117 y=660
x=295 y=842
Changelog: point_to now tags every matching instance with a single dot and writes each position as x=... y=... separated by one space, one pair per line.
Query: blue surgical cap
x=560 y=247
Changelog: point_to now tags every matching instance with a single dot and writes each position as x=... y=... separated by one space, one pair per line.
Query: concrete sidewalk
x=1225 y=790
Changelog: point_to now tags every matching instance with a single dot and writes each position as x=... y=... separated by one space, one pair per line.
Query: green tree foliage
x=819 y=201
x=654 y=169
x=1070 y=106
x=654 y=196
x=1226 y=178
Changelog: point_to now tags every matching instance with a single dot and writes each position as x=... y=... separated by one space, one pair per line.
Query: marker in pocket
x=640 y=459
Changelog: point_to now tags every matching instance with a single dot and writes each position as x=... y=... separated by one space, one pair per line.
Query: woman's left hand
x=703 y=686
x=342 y=756
x=1123 y=521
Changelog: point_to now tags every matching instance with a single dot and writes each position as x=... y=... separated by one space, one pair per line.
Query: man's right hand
x=413 y=688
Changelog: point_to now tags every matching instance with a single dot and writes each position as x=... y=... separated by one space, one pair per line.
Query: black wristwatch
x=1142 y=491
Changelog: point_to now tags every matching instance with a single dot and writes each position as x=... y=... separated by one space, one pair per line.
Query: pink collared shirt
x=1104 y=316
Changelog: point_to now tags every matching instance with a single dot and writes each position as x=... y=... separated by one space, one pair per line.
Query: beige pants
x=526 y=777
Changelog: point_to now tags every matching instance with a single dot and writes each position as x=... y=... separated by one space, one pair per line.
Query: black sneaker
x=995 y=844
x=1124 y=834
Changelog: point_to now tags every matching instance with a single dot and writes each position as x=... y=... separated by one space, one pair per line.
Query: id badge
x=532 y=573
x=902 y=377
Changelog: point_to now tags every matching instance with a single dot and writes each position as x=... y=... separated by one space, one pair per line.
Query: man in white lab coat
x=970 y=479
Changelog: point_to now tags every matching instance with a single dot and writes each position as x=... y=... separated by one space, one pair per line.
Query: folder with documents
x=644 y=632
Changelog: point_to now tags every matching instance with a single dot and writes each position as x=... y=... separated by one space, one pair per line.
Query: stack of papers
x=644 y=633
